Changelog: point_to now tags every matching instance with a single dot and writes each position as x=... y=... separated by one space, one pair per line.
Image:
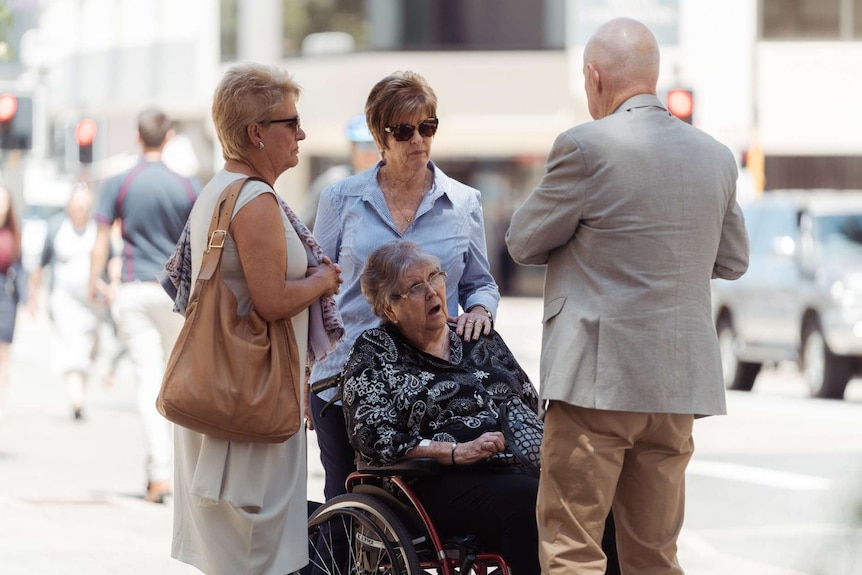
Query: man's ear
x=595 y=77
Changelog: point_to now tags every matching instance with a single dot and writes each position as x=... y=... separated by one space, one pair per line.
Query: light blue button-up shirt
x=353 y=220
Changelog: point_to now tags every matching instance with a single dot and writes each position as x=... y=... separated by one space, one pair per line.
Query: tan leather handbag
x=230 y=376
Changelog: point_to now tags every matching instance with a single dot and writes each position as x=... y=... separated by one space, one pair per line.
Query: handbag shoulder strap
x=219 y=225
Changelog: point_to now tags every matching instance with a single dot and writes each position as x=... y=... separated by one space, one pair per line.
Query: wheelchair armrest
x=418 y=467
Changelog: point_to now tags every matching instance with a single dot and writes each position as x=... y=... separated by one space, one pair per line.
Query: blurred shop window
x=228 y=36
x=809 y=19
x=329 y=23
x=482 y=25
x=16 y=18
x=810 y=172
x=312 y=27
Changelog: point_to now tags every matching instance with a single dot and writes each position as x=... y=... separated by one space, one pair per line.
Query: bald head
x=621 y=59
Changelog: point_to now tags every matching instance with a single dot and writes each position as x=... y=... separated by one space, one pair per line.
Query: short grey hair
x=384 y=269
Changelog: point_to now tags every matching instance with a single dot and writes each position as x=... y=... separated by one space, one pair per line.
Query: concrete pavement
x=71 y=492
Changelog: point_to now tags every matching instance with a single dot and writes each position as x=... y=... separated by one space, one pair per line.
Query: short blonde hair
x=248 y=93
x=384 y=269
x=398 y=94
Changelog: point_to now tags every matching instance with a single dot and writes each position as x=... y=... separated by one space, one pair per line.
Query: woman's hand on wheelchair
x=480 y=448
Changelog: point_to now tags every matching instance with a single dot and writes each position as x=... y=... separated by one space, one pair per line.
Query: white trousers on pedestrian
x=149 y=327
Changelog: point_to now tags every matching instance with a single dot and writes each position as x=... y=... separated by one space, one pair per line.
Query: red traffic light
x=16 y=121
x=680 y=103
x=8 y=107
x=85 y=132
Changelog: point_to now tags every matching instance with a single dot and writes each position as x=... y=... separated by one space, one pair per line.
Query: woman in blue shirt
x=405 y=196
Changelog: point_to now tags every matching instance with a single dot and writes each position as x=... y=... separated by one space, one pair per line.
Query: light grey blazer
x=634 y=215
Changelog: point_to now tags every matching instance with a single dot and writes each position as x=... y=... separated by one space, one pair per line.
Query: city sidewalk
x=71 y=492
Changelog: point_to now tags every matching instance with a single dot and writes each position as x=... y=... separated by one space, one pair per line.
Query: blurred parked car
x=801 y=298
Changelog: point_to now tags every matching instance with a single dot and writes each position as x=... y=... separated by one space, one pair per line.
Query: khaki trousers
x=593 y=460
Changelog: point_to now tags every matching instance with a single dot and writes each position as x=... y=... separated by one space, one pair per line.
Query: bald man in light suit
x=636 y=212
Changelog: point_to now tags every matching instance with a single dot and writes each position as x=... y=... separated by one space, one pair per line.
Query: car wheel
x=738 y=375
x=825 y=373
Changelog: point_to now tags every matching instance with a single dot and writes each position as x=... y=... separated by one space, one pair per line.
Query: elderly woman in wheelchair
x=412 y=389
x=447 y=436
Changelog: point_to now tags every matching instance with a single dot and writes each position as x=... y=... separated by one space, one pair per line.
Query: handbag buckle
x=217 y=236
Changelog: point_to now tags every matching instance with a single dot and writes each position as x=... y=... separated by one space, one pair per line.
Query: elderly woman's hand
x=479 y=449
x=473 y=323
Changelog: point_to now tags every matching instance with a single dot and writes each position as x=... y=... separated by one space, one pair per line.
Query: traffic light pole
x=12 y=164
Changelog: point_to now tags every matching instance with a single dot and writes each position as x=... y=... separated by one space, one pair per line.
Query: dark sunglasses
x=404 y=132
x=291 y=122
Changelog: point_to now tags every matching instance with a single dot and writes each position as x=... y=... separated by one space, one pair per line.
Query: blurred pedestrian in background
x=118 y=350
x=241 y=507
x=13 y=282
x=76 y=319
x=404 y=196
x=152 y=203
x=363 y=155
x=635 y=214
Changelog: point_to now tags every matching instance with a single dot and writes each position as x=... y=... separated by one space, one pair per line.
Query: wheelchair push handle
x=325 y=383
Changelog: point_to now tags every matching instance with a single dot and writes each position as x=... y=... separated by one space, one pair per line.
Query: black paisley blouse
x=395 y=395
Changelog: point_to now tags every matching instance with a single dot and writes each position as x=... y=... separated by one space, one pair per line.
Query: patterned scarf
x=325 y=328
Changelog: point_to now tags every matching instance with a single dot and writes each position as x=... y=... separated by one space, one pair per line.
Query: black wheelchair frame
x=380 y=527
x=380 y=514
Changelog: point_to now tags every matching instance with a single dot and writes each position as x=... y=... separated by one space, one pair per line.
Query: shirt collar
x=371 y=187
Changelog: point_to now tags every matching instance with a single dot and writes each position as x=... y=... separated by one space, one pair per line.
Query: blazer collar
x=641 y=101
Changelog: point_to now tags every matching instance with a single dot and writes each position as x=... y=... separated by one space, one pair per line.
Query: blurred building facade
x=773 y=79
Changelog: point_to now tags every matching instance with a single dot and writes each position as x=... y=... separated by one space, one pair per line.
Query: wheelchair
x=380 y=527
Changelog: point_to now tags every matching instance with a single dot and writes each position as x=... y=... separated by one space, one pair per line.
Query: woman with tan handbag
x=240 y=506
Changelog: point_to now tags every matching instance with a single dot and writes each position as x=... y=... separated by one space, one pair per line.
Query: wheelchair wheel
x=358 y=535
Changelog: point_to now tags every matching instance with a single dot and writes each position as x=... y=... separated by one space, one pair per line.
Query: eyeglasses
x=291 y=122
x=404 y=132
x=418 y=291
